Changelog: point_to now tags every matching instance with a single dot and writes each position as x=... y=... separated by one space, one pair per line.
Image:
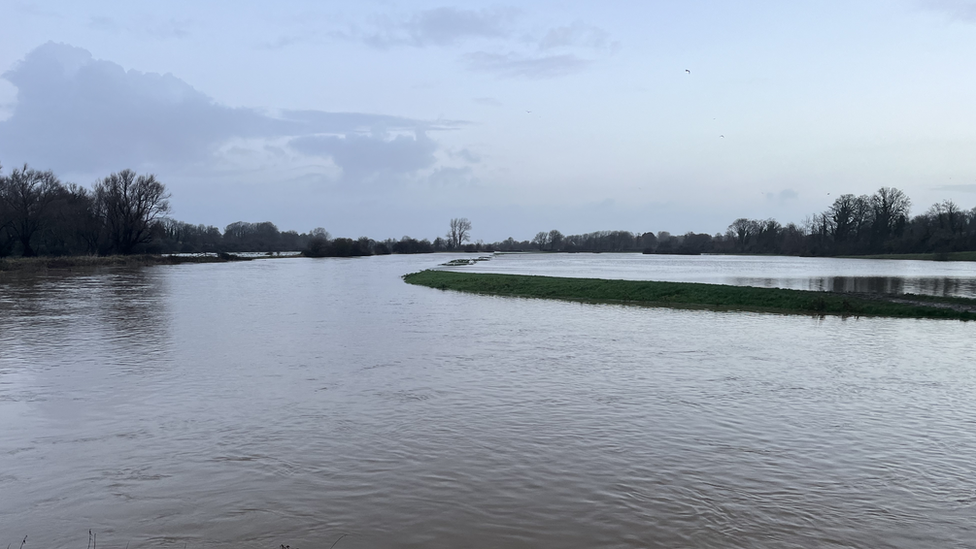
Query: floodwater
x=294 y=401
x=942 y=278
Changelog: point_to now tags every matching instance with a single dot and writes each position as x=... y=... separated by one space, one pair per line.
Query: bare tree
x=25 y=195
x=132 y=205
x=890 y=207
x=555 y=239
x=541 y=240
x=460 y=232
x=949 y=216
x=741 y=232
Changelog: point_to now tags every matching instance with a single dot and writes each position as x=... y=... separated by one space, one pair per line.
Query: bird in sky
x=722 y=136
x=688 y=71
x=528 y=112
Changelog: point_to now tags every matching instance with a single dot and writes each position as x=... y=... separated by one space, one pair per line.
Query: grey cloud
x=465 y=155
x=577 y=35
x=442 y=26
x=77 y=114
x=518 y=66
x=362 y=157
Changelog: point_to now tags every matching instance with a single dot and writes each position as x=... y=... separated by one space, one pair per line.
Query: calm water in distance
x=945 y=278
x=291 y=401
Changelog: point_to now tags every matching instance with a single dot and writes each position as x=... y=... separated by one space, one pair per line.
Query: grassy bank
x=684 y=294
x=88 y=261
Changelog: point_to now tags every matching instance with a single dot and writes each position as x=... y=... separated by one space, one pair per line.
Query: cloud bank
x=77 y=114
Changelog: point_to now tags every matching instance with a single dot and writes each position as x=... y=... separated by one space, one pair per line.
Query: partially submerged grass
x=87 y=261
x=687 y=294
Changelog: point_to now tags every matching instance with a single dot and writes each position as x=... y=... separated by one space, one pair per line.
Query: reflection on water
x=292 y=401
x=799 y=273
x=868 y=284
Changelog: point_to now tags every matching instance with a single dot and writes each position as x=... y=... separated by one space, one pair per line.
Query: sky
x=384 y=119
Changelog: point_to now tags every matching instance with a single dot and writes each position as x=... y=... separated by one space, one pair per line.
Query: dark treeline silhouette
x=852 y=225
x=124 y=213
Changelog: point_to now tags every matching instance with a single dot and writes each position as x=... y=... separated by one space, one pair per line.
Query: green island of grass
x=695 y=295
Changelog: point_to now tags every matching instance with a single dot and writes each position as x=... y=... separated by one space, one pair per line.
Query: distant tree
x=844 y=218
x=541 y=240
x=460 y=232
x=948 y=216
x=25 y=196
x=318 y=246
x=132 y=204
x=321 y=233
x=555 y=239
x=890 y=209
x=741 y=232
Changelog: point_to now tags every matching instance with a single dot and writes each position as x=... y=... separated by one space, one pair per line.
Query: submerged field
x=686 y=294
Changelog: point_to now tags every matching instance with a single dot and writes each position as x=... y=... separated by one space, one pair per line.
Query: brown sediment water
x=293 y=401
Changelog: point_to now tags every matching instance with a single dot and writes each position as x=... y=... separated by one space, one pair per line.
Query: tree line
x=125 y=213
x=853 y=225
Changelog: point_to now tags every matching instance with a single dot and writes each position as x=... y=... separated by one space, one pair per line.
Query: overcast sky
x=384 y=118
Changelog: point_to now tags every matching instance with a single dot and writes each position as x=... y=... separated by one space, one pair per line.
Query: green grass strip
x=687 y=294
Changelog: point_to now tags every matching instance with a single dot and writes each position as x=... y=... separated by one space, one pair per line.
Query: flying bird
x=722 y=136
x=688 y=71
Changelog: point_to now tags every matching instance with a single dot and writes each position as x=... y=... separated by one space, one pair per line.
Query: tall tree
x=890 y=208
x=25 y=195
x=460 y=232
x=132 y=205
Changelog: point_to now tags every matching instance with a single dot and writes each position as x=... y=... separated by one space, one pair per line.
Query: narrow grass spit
x=687 y=294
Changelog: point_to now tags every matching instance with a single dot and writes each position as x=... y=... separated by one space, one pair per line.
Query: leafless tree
x=541 y=240
x=25 y=196
x=132 y=205
x=741 y=231
x=460 y=232
x=555 y=239
x=949 y=216
x=890 y=208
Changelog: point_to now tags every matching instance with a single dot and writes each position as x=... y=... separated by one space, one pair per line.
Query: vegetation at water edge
x=687 y=294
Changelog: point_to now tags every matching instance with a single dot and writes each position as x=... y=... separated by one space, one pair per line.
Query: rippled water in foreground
x=291 y=401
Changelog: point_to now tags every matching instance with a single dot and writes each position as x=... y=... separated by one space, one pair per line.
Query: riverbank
x=88 y=261
x=687 y=294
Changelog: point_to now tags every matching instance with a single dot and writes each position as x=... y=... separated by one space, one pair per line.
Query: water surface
x=291 y=401
x=943 y=278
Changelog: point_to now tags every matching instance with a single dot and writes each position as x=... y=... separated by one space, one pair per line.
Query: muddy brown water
x=292 y=401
